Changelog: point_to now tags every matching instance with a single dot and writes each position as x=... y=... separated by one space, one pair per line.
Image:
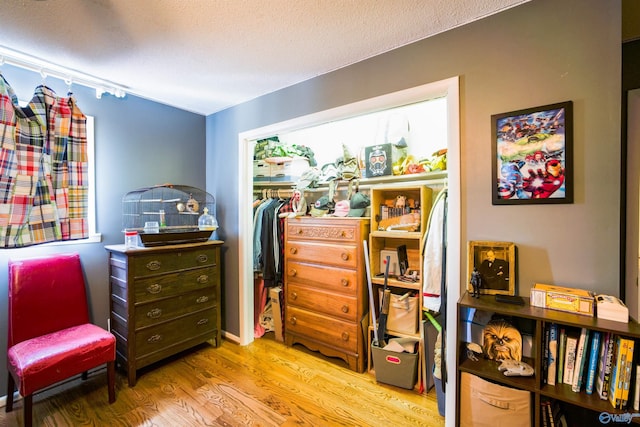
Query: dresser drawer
x=331 y=331
x=332 y=304
x=323 y=277
x=165 y=262
x=168 y=285
x=322 y=230
x=325 y=253
x=167 y=309
x=159 y=338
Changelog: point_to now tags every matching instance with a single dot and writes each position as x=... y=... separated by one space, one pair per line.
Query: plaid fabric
x=62 y=201
x=43 y=169
x=78 y=175
x=79 y=228
x=7 y=115
x=8 y=164
x=6 y=187
x=78 y=202
x=20 y=207
x=77 y=146
x=28 y=157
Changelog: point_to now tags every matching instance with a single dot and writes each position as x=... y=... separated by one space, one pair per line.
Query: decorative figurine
x=298 y=203
x=476 y=282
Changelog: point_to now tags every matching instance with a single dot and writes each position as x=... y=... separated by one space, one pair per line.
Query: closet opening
x=446 y=89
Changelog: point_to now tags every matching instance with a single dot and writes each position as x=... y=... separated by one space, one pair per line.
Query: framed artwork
x=532 y=155
x=494 y=264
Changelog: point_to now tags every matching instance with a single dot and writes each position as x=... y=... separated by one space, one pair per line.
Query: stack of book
x=552 y=414
x=593 y=361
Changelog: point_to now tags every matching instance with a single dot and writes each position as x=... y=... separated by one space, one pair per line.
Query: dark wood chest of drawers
x=163 y=300
x=325 y=288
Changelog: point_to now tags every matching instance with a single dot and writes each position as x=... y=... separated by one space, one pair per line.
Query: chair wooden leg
x=111 y=380
x=28 y=414
x=10 y=388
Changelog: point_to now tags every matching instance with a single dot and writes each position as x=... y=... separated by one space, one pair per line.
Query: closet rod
x=68 y=75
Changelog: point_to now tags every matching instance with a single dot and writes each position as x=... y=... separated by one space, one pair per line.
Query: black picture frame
x=532 y=155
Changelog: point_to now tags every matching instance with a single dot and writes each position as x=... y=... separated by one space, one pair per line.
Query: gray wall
x=138 y=143
x=538 y=53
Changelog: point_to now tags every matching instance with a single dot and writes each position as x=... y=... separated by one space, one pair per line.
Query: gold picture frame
x=496 y=264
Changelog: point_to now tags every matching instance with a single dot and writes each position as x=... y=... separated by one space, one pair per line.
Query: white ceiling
x=206 y=55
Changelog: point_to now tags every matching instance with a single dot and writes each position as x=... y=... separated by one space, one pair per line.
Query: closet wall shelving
x=434 y=179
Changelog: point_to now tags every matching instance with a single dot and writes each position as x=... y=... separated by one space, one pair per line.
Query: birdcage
x=168 y=214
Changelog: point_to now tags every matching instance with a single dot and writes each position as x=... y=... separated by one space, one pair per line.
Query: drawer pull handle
x=345 y=256
x=154 y=338
x=294 y=295
x=203 y=321
x=293 y=320
x=203 y=258
x=344 y=282
x=345 y=336
x=343 y=233
x=203 y=278
x=345 y=308
x=154 y=314
x=154 y=289
x=292 y=272
x=293 y=251
x=300 y=231
x=202 y=299
x=154 y=265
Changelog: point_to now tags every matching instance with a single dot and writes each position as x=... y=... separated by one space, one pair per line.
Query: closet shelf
x=435 y=177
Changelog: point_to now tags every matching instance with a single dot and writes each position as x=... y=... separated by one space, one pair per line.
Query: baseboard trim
x=17 y=397
x=231 y=337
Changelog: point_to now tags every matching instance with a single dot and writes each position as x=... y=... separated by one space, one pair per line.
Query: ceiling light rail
x=68 y=75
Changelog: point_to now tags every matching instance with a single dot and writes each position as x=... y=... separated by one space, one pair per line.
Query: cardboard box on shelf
x=561 y=298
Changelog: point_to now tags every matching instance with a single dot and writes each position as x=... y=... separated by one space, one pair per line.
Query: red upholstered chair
x=50 y=338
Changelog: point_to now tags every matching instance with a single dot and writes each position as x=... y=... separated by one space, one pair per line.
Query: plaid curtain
x=43 y=169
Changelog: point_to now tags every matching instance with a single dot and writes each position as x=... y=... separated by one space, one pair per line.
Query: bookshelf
x=383 y=240
x=580 y=407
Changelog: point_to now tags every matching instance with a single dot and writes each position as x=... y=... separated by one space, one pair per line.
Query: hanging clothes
x=268 y=248
x=43 y=169
x=433 y=254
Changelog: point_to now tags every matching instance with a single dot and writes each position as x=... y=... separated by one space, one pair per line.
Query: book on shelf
x=544 y=414
x=594 y=354
x=570 y=359
x=636 y=389
x=581 y=356
x=627 y=374
x=606 y=361
x=552 y=355
x=551 y=413
x=616 y=384
x=545 y=354
x=552 y=422
x=562 y=341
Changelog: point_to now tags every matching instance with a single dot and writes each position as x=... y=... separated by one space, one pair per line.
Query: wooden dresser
x=325 y=286
x=163 y=300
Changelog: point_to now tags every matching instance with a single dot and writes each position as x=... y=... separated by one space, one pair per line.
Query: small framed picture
x=491 y=268
x=532 y=155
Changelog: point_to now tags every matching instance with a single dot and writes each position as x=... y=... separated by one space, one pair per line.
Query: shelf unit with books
x=388 y=232
x=574 y=403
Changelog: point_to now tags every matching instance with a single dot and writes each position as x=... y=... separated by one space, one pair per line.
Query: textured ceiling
x=207 y=55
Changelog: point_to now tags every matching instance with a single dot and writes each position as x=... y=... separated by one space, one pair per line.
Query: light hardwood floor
x=262 y=384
